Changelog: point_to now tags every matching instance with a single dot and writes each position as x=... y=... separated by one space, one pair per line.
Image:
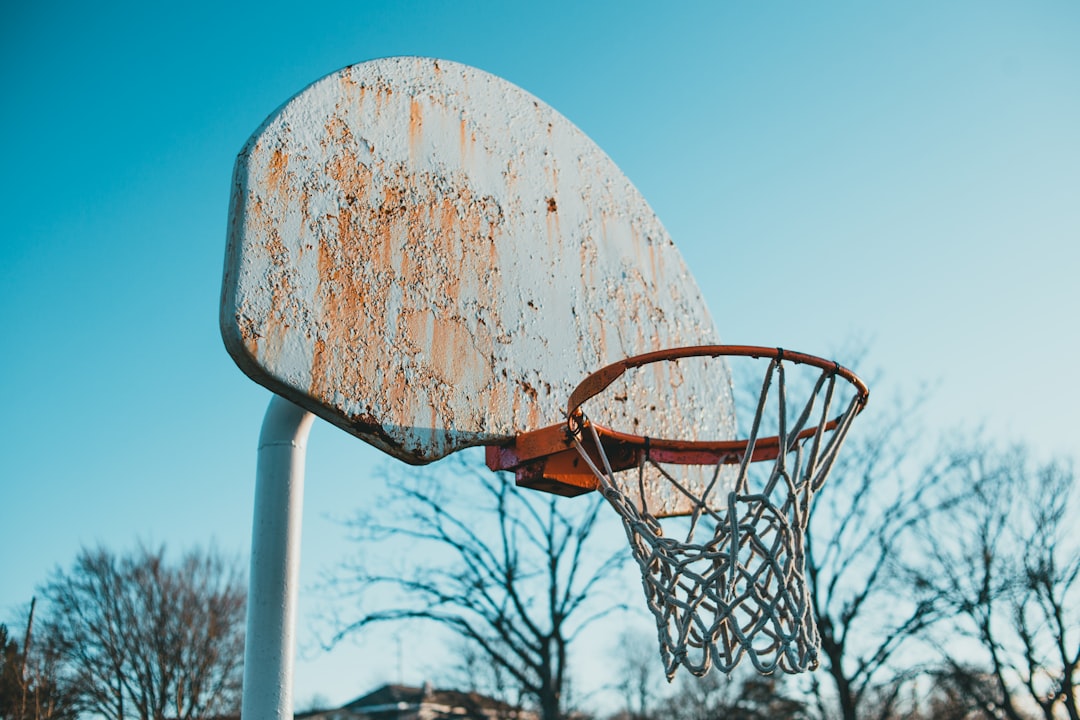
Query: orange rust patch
x=248 y=334
x=406 y=253
x=275 y=174
x=342 y=296
x=462 y=141
x=532 y=410
x=281 y=301
x=416 y=126
x=276 y=249
x=382 y=93
x=349 y=83
x=269 y=337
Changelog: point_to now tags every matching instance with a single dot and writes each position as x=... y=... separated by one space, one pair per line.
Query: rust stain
x=447 y=233
x=552 y=220
x=391 y=238
x=466 y=141
x=389 y=212
x=343 y=299
x=515 y=409
x=416 y=126
x=533 y=409
x=270 y=336
x=383 y=91
x=653 y=268
x=368 y=425
x=351 y=93
x=275 y=174
x=249 y=333
x=347 y=80
x=276 y=250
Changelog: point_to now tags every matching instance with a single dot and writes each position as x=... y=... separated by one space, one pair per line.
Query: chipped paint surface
x=431 y=258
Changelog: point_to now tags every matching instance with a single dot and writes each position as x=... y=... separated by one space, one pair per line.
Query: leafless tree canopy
x=861 y=526
x=29 y=686
x=514 y=573
x=946 y=584
x=141 y=638
x=742 y=695
x=638 y=675
x=860 y=523
x=1006 y=567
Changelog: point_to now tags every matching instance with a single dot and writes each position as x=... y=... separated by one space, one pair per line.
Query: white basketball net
x=735 y=586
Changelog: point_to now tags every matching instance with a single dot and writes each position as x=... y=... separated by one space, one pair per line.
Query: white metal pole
x=275 y=562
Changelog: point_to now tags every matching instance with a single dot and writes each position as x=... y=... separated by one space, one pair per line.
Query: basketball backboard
x=431 y=258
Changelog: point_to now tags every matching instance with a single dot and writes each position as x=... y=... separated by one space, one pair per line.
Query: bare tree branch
x=1007 y=567
x=514 y=573
x=876 y=498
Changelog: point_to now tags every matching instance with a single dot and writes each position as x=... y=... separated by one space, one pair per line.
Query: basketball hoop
x=404 y=289
x=734 y=586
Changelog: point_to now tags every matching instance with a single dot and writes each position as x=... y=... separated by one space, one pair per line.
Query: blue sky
x=906 y=175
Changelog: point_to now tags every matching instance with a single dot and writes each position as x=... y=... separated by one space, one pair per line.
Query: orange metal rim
x=694 y=451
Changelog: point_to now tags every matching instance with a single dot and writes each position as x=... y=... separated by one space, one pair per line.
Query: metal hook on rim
x=575 y=423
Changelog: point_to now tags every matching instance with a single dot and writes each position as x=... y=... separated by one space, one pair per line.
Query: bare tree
x=882 y=486
x=639 y=677
x=12 y=679
x=876 y=498
x=962 y=692
x=1046 y=610
x=138 y=637
x=1007 y=566
x=513 y=572
x=474 y=673
x=30 y=687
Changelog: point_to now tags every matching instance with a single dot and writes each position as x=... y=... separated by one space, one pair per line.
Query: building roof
x=394 y=701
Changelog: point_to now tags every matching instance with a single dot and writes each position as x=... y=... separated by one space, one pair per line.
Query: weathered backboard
x=431 y=258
